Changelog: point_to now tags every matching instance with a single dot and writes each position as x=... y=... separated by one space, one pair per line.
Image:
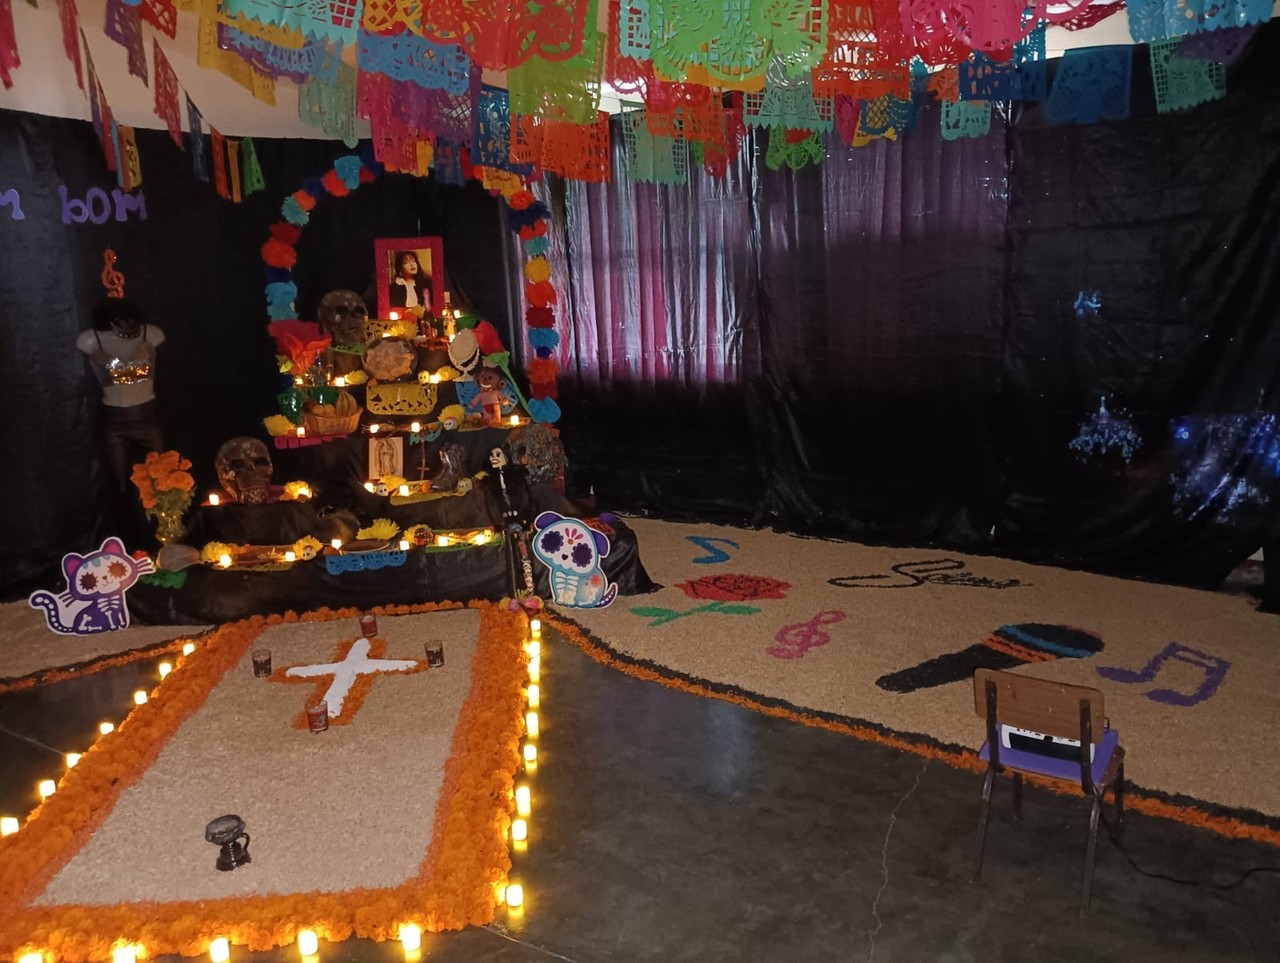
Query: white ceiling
x=45 y=83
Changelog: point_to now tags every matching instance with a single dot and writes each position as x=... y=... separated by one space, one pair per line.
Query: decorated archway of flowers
x=526 y=215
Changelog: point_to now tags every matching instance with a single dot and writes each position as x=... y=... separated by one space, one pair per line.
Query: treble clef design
x=793 y=641
x=112 y=279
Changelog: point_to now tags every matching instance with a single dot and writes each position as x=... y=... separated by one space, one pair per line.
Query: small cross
x=345 y=673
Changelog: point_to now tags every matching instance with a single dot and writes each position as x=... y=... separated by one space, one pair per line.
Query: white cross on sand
x=355 y=664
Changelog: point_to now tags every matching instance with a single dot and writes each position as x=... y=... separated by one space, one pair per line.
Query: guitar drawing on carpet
x=1214 y=668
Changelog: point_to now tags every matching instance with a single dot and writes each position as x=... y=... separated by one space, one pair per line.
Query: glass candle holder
x=261 y=662
x=435 y=653
x=318 y=716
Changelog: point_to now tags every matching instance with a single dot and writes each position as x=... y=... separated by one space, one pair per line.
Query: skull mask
x=342 y=315
x=244 y=470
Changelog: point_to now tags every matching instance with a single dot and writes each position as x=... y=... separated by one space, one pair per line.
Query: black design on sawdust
x=939 y=571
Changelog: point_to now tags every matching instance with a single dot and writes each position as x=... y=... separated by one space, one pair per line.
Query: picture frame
x=396 y=291
x=386 y=456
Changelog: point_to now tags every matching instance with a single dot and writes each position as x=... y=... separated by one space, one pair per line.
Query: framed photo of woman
x=410 y=275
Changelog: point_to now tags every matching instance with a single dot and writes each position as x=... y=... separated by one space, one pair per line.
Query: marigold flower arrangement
x=164 y=481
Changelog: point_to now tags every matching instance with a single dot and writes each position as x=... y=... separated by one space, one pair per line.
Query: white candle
x=127 y=953
x=214 y=498
x=515 y=895
x=46 y=788
x=411 y=936
x=224 y=560
x=415 y=427
x=404 y=490
x=373 y=428
x=530 y=752
x=220 y=950
x=308 y=942
x=8 y=825
x=290 y=556
x=535 y=628
x=535 y=696
x=531 y=724
x=164 y=668
x=301 y=432
x=33 y=957
x=71 y=759
x=404 y=545
x=338 y=382
x=524 y=800
x=515 y=420
x=188 y=648
x=106 y=728
x=140 y=698
x=336 y=543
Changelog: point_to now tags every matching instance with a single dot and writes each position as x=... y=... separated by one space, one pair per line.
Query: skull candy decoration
x=342 y=315
x=244 y=470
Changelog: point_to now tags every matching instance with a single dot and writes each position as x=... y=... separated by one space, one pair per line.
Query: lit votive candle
x=220 y=950
x=515 y=895
x=8 y=825
x=215 y=498
x=530 y=752
x=106 y=728
x=224 y=560
x=301 y=431
x=140 y=698
x=188 y=648
x=535 y=628
x=71 y=759
x=534 y=694
x=531 y=724
x=338 y=382
x=411 y=936
x=336 y=543
x=515 y=420
x=393 y=315
x=35 y=956
x=125 y=953
x=415 y=427
x=524 y=801
x=370 y=487
x=46 y=788
x=404 y=545
x=519 y=830
x=404 y=491
x=433 y=379
x=290 y=556
x=308 y=942
x=534 y=648
x=373 y=428
x=442 y=540
x=164 y=668
x=535 y=670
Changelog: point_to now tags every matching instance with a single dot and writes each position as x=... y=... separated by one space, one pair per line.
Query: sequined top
x=125 y=367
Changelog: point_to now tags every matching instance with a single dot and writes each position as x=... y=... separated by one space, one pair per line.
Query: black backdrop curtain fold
x=1055 y=342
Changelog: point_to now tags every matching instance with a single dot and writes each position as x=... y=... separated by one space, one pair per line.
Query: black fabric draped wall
x=1055 y=342
x=194 y=268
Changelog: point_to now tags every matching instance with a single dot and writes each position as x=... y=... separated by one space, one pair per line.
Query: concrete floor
x=670 y=827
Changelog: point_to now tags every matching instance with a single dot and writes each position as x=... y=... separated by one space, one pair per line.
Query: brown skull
x=244 y=470
x=342 y=315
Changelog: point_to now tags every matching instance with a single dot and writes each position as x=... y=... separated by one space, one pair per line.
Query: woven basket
x=331 y=424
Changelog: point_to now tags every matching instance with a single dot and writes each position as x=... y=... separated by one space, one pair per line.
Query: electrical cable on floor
x=1113 y=835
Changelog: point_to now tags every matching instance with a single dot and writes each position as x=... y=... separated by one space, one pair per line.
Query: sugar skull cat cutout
x=94 y=598
x=572 y=552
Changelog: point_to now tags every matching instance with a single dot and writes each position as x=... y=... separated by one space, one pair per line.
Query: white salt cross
x=355 y=664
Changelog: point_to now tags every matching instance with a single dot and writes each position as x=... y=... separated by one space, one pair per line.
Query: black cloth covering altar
x=427 y=574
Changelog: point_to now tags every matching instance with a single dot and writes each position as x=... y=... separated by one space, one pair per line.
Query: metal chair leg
x=1090 y=852
x=1017 y=795
x=982 y=823
x=1119 y=791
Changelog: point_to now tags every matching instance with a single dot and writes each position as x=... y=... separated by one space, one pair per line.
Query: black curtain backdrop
x=194 y=268
x=918 y=358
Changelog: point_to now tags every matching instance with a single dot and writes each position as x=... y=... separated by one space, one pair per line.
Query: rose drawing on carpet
x=722 y=591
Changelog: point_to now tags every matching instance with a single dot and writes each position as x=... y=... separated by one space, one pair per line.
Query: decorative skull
x=342 y=315
x=244 y=470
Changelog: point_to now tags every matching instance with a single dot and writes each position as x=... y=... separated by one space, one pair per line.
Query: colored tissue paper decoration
x=162 y=15
x=124 y=26
x=129 y=174
x=563 y=90
x=860 y=61
x=983 y=79
x=336 y=20
x=1223 y=45
x=407 y=57
x=210 y=54
x=926 y=25
x=1106 y=432
x=650 y=159
x=108 y=135
x=793 y=149
x=251 y=170
x=578 y=151
x=166 y=95
x=1032 y=62
x=792 y=106
x=1092 y=84
x=233 y=169
x=219 y=163
x=965 y=118
x=390 y=17
x=70 y=20
x=503 y=35
x=491 y=144
x=1182 y=82
x=331 y=106
x=195 y=122
x=1151 y=20
x=297 y=64
x=9 y=60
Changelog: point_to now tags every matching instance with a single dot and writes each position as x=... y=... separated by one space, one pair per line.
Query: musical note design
x=714 y=554
x=793 y=641
x=1214 y=668
x=1005 y=648
x=939 y=571
x=112 y=279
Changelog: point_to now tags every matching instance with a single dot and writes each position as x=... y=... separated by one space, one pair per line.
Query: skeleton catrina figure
x=244 y=470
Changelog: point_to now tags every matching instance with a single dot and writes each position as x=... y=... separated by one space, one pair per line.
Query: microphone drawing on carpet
x=1007 y=647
